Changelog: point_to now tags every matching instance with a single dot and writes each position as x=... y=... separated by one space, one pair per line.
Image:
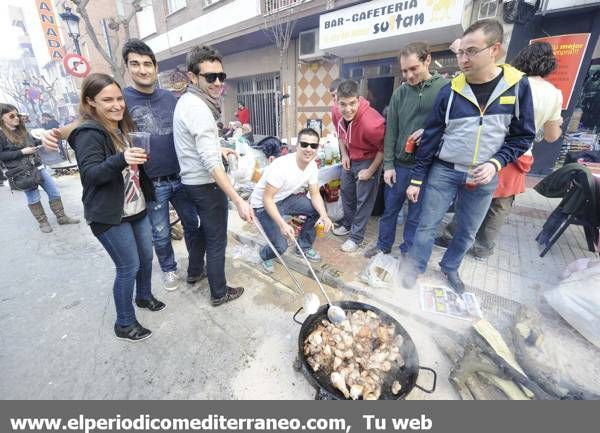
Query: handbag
x=24 y=177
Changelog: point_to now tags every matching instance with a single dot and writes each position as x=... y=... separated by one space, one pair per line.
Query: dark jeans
x=487 y=235
x=443 y=185
x=297 y=204
x=130 y=247
x=172 y=191
x=358 y=199
x=211 y=206
x=394 y=200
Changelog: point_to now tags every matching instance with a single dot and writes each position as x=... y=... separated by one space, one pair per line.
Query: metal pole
x=76 y=43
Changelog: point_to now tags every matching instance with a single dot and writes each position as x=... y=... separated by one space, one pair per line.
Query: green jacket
x=408 y=111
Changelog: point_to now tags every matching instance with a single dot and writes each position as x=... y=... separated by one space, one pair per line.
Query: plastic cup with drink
x=140 y=140
x=470 y=183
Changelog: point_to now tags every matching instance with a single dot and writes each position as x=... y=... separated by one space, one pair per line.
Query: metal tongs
x=310 y=300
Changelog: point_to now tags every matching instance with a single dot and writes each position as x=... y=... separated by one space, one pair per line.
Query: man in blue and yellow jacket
x=481 y=121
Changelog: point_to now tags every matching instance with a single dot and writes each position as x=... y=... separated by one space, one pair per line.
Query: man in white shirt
x=280 y=191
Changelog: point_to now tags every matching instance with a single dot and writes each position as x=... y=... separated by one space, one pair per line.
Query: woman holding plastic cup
x=115 y=192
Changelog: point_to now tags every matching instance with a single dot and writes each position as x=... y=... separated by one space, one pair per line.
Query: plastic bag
x=335 y=210
x=246 y=253
x=577 y=300
x=245 y=169
x=383 y=270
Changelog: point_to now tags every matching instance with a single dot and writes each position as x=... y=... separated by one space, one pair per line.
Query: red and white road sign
x=76 y=65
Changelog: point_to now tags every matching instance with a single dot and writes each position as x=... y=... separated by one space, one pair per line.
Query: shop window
x=487 y=9
x=356 y=73
x=175 y=5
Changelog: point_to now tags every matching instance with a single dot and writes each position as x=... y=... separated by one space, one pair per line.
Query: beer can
x=410 y=145
x=320 y=229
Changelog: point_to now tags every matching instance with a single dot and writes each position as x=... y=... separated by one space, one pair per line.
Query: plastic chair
x=559 y=220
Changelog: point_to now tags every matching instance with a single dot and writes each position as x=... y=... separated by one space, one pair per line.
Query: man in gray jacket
x=202 y=172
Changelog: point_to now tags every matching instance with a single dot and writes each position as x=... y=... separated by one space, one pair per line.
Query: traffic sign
x=76 y=65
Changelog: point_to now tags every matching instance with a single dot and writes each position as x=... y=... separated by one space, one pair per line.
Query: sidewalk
x=515 y=275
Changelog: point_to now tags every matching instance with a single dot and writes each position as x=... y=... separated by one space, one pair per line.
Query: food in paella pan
x=357 y=354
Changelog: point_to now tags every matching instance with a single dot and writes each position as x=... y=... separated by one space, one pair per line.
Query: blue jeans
x=211 y=206
x=130 y=247
x=172 y=191
x=297 y=204
x=48 y=184
x=471 y=206
x=394 y=197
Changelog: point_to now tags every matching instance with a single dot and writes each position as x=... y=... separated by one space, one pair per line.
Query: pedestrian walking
x=18 y=150
x=408 y=110
x=360 y=131
x=116 y=191
x=200 y=158
x=482 y=121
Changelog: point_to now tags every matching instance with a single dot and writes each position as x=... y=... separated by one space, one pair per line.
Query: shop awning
x=386 y=25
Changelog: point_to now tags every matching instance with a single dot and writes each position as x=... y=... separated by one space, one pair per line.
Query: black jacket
x=577 y=201
x=11 y=155
x=100 y=168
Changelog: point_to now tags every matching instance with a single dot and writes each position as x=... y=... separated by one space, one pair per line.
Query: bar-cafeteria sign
x=569 y=51
x=45 y=11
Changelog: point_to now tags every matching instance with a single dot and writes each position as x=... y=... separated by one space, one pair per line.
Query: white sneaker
x=349 y=246
x=170 y=281
x=340 y=231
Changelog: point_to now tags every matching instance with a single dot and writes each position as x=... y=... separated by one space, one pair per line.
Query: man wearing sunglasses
x=202 y=173
x=480 y=122
x=280 y=191
x=360 y=131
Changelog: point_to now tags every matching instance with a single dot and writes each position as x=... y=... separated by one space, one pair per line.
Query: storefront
x=573 y=29
x=366 y=39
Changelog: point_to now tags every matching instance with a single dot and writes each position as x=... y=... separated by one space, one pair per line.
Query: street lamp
x=72 y=21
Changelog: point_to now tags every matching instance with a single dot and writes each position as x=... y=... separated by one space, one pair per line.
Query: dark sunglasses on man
x=304 y=145
x=211 y=77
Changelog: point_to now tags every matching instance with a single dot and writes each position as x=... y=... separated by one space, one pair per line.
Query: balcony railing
x=274 y=6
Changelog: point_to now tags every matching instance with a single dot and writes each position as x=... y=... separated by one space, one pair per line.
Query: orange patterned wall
x=313 y=99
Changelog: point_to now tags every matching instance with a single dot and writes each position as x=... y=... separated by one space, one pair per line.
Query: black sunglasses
x=211 y=77
x=304 y=144
x=13 y=115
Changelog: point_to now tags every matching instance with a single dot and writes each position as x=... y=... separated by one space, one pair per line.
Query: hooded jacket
x=364 y=135
x=462 y=135
x=101 y=172
x=408 y=111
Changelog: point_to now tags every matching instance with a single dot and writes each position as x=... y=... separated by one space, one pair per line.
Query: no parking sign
x=76 y=65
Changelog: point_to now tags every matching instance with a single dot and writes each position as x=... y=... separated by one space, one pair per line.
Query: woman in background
x=18 y=148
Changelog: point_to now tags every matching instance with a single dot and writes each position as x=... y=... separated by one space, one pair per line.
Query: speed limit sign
x=76 y=65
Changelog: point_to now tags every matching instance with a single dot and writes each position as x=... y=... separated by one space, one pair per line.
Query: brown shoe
x=57 y=207
x=232 y=293
x=40 y=216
